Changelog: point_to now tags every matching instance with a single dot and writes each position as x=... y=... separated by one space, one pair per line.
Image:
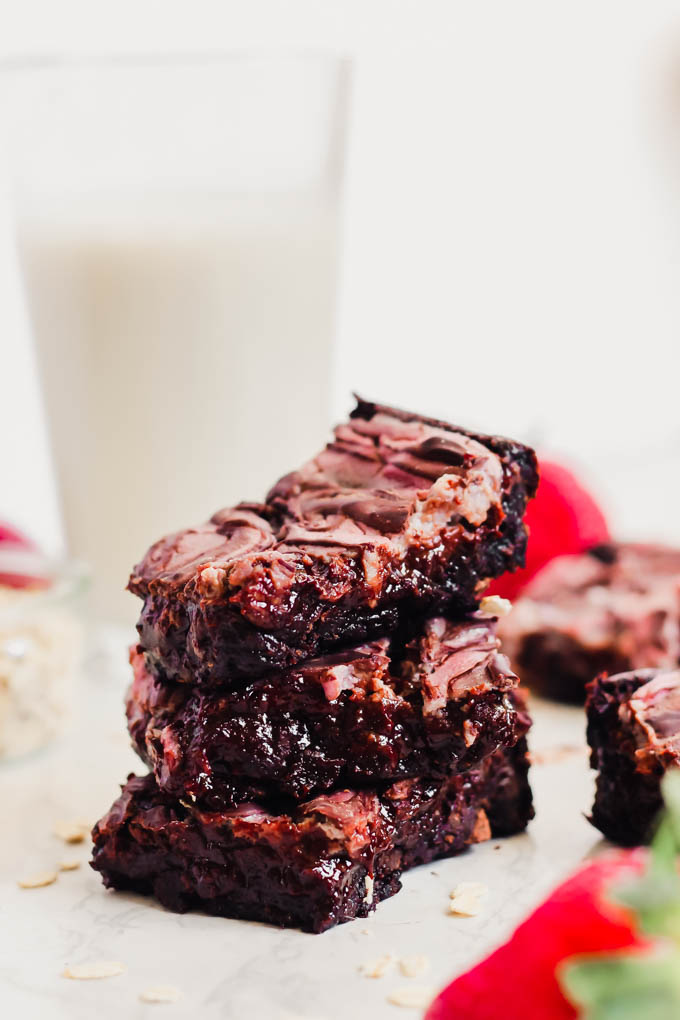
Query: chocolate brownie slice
x=399 y=515
x=615 y=608
x=322 y=863
x=634 y=736
x=439 y=705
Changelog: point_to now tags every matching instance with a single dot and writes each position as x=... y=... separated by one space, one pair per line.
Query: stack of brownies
x=318 y=690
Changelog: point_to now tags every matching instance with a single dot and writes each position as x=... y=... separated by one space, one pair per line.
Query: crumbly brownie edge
x=627 y=801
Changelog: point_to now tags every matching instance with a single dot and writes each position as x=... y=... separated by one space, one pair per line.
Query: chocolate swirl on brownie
x=399 y=516
x=364 y=715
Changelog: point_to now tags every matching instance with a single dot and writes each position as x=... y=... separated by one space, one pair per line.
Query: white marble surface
x=233 y=969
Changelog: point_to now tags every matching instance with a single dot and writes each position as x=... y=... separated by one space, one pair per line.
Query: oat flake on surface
x=377 y=968
x=160 y=993
x=69 y=864
x=466 y=899
x=94 y=970
x=414 y=966
x=412 y=996
x=37 y=880
x=72 y=832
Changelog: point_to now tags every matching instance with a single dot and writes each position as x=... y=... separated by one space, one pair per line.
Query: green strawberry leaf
x=623 y=986
x=630 y=985
x=654 y=897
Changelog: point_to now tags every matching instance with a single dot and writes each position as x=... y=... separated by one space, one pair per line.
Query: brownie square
x=397 y=517
x=379 y=711
x=634 y=736
x=613 y=609
x=318 y=864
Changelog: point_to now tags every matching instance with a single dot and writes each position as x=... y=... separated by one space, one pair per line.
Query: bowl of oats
x=40 y=643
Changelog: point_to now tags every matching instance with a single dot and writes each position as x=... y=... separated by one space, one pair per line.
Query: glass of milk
x=177 y=224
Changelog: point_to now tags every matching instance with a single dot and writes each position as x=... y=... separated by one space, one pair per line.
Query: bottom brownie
x=634 y=736
x=327 y=861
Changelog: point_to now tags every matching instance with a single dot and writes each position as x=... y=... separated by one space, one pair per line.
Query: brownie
x=634 y=736
x=612 y=609
x=399 y=516
x=375 y=712
x=323 y=862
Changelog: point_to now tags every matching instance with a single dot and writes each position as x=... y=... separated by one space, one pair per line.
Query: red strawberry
x=518 y=981
x=18 y=559
x=563 y=518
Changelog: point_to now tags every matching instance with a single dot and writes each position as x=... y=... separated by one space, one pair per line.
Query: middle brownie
x=378 y=712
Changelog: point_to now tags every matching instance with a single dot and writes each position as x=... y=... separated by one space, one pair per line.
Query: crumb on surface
x=557 y=754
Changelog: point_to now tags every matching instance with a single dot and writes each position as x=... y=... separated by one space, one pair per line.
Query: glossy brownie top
x=653 y=710
x=387 y=484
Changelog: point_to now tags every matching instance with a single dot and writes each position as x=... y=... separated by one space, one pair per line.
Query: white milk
x=185 y=355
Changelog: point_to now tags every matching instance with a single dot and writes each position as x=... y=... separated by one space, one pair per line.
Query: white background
x=512 y=230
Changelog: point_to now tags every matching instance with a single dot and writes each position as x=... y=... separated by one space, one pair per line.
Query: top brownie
x=398 y=516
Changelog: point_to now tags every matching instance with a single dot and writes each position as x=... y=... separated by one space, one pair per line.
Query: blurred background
x=216 y=224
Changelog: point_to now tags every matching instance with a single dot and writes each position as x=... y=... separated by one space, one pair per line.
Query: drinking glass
x=177 y=223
